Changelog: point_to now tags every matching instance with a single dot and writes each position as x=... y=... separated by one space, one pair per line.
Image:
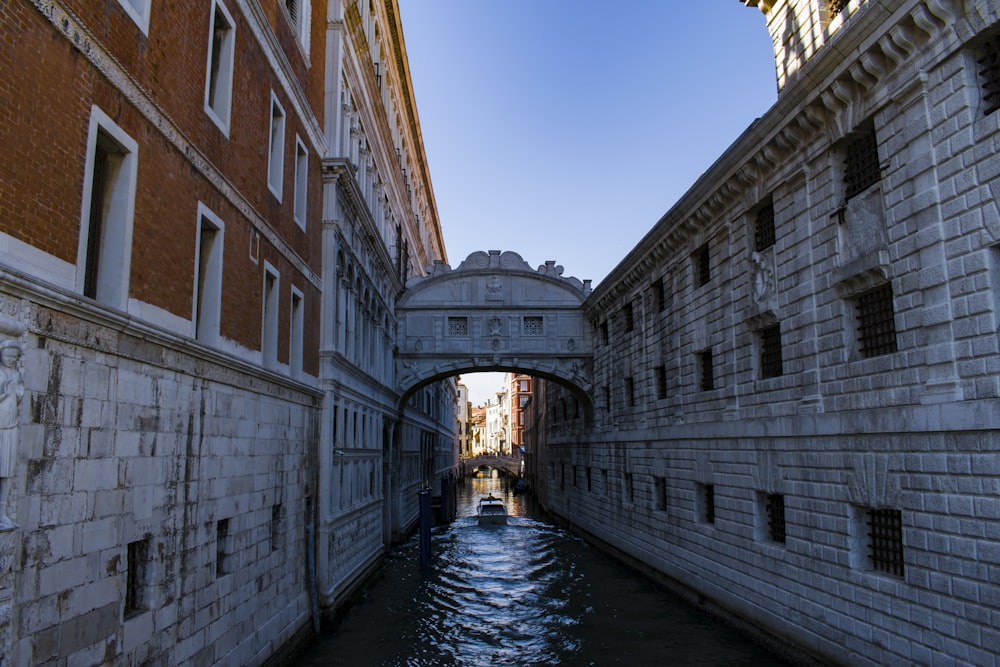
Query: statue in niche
x=11 y=391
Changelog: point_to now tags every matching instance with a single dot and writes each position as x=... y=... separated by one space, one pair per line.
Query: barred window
x=703 y=270
x=763 y=229
x=885 y=545
x=458 y=326
x=137 y=577
x=532 y=326
x=876 y=322
x=628 y=317
x=661 y=382
x=988 y=66
x=706 y=493
x=770 y=351
x=706 y=380
x=775 y=507
x=861 y=168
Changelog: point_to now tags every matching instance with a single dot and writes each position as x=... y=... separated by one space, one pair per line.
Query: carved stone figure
x=11 y=391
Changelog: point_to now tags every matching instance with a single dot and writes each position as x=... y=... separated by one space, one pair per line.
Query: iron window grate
x=885 y=546
x=704 y=270
x=776 y=517
x=770 y=351
x=458 y=326
x=707 y=377
x=532 y=326
x=861 y=168
x=708 y=491
x=989 y=73
x=763 y=230
x=876 y=322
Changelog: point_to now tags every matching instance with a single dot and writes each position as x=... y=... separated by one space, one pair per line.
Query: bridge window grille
x=885 y=546
x=532 y=326
x=628 y=318
x=458 y=326
x=703 y=269
x=707 y=377
x=763 y=230
x=707 y=494
x=770 y=351
x=661 y=382
x=988 y=63
x=137 y=577
x=861 y=168
x=775 y=507
x=876 y=322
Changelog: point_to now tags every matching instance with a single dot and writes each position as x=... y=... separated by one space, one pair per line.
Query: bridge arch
x=495 y=313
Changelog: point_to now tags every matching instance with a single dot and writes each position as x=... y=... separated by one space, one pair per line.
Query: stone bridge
x=495 y=313
x=509 y=464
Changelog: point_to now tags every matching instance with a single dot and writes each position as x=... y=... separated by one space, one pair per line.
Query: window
x=629 y=489
x=604 y=332
x=706 y=377
x=269 y=318
x=299 y=15
x=275 y=527
x=104 y=254
x=876 y=322
x=628 y=317
x=223 y=548
x=532 y=326
x=988 y=68
x=630 y=392
x=296 y=334
x=208 y=277
x=661 y=382
x=458 y=326
x=885 y=540
x=705 y=501
x=703 y=272
x=301 y=182
x=659 y=296
x=590 y=480
x=763 y=227
x=774 y=506
x=861 y=168
x=770 y=351
x=661 y=493
x=276 y=148
x=138 y=11
x=219 y=75
x=137 y=577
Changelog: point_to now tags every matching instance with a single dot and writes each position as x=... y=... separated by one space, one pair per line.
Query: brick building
x=797 y=373
x=206 y=211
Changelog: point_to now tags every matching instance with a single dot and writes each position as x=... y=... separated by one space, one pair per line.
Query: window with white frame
x=299 y=14
x=301 y=182
x=219 y=74
x=207 y=312
x=104 y=254
x=296 y=333
x=269 y=318
x=275 y=151
x=138 y=10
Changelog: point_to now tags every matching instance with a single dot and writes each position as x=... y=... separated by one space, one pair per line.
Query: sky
x=565 y=129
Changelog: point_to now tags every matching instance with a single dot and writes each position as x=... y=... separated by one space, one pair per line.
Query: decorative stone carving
x=11 y=391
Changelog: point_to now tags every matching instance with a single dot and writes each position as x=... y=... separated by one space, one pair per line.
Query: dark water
x=525 y=593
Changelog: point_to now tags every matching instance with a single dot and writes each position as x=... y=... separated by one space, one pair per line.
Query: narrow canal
x=525 y=593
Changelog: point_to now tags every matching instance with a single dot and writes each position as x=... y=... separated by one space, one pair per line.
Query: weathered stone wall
x=698 y=437
x=128 y=438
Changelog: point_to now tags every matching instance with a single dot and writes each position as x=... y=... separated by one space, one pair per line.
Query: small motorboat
x=492 y=510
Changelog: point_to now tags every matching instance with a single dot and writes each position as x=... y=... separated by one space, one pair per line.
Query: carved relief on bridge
x=493 y=312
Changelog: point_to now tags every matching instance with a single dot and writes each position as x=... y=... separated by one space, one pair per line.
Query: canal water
x=525 y=593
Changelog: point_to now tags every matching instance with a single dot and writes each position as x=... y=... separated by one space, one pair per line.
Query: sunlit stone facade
x=796 y=375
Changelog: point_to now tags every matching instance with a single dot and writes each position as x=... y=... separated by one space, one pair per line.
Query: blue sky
x=564 y=129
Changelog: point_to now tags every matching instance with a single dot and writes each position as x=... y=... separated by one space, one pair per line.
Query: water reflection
x=525 y=593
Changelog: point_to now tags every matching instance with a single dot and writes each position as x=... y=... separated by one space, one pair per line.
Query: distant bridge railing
x=508 y=463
